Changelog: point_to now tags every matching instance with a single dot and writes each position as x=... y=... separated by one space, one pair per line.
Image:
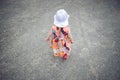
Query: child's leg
x=61 y=52
x=55 y=51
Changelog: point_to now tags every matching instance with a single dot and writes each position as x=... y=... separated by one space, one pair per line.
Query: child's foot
x=56 y=54
x=65 y=56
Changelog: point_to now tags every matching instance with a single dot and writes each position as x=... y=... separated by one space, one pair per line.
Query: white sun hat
x=61 y=18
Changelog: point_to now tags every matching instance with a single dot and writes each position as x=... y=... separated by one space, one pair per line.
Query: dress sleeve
x=67 y=29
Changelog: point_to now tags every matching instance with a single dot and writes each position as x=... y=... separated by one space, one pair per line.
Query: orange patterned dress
x=60 y=41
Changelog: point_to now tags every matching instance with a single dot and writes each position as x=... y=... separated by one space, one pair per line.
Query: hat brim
x=61 y=24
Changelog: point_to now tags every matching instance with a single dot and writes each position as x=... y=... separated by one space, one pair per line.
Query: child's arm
x=70 y=35
x=49 y=35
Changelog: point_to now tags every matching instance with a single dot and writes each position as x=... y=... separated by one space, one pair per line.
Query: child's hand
x=71 y=41
x=47 y=39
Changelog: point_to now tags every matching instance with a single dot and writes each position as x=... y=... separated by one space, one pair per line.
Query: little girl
x=59 y=36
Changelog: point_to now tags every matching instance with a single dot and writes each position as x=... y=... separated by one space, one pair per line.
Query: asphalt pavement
x=25 y=55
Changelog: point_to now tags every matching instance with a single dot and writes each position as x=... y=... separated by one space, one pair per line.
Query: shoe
x=65 y=56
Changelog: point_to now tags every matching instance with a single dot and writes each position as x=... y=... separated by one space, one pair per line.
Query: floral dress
x=61 y=41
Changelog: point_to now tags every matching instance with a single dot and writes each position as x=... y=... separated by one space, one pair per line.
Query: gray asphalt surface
x=24 y=54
